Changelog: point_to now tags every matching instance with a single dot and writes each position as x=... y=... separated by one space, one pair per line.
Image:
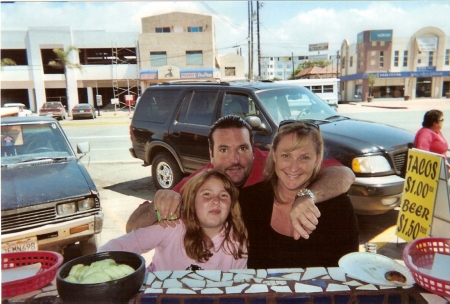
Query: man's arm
x=330 y=182
x=143 y=216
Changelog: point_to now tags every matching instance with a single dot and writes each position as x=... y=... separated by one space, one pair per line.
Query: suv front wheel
x=165 y=171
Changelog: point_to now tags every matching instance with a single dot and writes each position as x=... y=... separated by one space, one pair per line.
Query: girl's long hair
x=303 y=132
x=197 y=244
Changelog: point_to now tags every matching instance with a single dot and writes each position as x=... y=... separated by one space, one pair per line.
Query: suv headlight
x=72 y=207
x=370 y=164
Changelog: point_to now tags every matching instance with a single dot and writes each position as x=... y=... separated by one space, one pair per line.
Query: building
x=316 y=72
x=114 y=66
x=413 y=67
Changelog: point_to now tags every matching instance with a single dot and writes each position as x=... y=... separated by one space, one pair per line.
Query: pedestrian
x=210 y=233
x=430 y=137
x=231 y=152
x=293 y=164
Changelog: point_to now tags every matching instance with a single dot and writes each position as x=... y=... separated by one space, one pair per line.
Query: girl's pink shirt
x=169 y=249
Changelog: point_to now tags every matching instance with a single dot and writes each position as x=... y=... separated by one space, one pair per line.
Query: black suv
x=171 y=123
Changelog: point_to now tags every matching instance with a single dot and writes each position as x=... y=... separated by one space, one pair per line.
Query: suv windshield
x=294 y=103
x=27 y=142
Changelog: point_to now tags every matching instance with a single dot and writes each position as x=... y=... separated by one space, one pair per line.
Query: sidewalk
x=419 y=104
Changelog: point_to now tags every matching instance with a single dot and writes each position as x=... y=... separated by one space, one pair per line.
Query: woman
x=430 y=137
x=293 y=163
x=211 y=234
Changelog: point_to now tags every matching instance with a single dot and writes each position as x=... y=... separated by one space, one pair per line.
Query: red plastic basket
x=50 y=262
x=421 y=253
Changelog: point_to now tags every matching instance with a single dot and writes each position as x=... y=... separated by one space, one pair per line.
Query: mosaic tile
x=281 y=288
x=314 y=272
x=211 y=291
x=293 y=276
x=178 y=274
x=353 y=283
x=300 y=287
x=213 y=275
x=195 y=276
x=193 y=283
x=386 y=287
x=150 y=278
x=284 y=270
x=172 y=283
x=244 y=271
x=337 y=273
x=219 y=284
x=236 y=289
x=153 y=290
x=162 y=275
x=274 y=282
x=227 y=276
x=257 y=288
x=261 y=273
x=156 y=284
x=337 y=287
x=239 y=278
x=258 y=280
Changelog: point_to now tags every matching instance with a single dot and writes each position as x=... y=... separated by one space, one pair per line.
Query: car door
x=189 y=132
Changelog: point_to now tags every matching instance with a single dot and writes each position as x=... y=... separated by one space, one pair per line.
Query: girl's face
x=212 y=206
x=294 y=168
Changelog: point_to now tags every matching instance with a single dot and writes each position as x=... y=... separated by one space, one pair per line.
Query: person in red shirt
x=231 y=152
x=430 y=137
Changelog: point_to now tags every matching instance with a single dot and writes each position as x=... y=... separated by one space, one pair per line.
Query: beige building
x=411 y=67
x=181 y=46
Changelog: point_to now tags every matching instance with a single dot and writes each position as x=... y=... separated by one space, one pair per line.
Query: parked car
x=49 y=200
x=53 y=109
x=171 y=122
x=22 y=109
x=83 y=110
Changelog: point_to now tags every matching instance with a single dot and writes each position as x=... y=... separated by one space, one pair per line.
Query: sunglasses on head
x=290 y=121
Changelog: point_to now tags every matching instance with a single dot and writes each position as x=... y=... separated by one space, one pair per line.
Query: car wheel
x=90 y=245
x=165 y=171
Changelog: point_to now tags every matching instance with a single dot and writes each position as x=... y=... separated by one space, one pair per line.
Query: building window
x=162 y=30
x=158 y=58
x=381 y=59
x=194 y=58
x=280 y=66
x=396 y=55
x=351 y=61
x=270 y=66
x=430 y=58
x=288 y=66
x=271 y=58
x=343 y=62
x=279 y=73
x=195 y=29
x=405 y=58
x=230 y=71
x=447 y=57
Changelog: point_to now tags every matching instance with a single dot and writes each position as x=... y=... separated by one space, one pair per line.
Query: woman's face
x=294 y=168
x=440 y=122
x=212 y=206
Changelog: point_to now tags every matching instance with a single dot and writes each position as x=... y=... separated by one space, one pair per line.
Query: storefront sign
x=427 y=44
x=419 y=195
x=381 y=35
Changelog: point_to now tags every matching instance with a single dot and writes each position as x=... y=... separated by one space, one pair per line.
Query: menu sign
x=419 y=195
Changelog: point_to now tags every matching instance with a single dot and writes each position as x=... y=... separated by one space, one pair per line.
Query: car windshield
x=52 y=105
x=28 y=142
x=295 y=102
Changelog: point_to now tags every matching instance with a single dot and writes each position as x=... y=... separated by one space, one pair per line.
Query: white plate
x=371 y=268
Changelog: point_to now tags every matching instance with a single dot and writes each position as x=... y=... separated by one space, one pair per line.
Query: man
x=231 y=152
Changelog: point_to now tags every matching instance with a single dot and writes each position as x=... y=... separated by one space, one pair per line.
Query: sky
x=286 y=27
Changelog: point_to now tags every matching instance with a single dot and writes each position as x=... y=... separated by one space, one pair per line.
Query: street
x=124 y=183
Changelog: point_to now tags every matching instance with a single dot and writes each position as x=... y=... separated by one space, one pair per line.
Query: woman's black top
x=336 y=234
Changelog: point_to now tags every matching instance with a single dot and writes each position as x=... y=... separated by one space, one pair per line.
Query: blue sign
x=381 y=35
x=427 y=68
x=418 y=74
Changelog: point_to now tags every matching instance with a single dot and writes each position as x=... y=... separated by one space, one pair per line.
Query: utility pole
x=250 y=34
x=293 y=69
x=259 y=44
x=337 y=64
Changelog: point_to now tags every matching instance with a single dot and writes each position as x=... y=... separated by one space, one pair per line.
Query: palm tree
x=8 y=61
x=62 y=61
x=371 y=78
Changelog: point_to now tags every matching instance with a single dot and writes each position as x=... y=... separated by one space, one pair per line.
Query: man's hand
x=304 y=217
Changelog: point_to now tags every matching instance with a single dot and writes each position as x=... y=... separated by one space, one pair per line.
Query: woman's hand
x=304 y=217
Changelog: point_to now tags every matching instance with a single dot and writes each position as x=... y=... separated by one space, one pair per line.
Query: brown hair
x=431 y=117
x=303 y=132
x=196 y=242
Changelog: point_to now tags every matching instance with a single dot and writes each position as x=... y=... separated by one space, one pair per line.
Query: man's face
x=233 y=154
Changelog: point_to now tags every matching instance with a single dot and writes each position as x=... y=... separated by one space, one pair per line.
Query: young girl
x=211 y=233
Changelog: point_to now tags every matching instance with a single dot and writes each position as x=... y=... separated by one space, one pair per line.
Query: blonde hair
x=303 y=133
x=197 y=244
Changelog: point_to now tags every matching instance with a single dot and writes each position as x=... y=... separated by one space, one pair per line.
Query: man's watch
x=306 y=192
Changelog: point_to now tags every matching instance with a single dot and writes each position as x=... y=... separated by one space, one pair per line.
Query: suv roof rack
x=191 y=82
